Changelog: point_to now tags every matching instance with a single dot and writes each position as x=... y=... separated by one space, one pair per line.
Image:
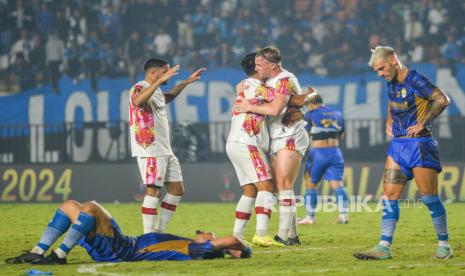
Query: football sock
x=243 y=210
x=311 y=201
x=167 y=209
x=439 y=217
x=149 y=213
x=58 y=225
x=286 y=212
x=389 y=221
x=83 y=225
x=342 y=200
x=263 y=205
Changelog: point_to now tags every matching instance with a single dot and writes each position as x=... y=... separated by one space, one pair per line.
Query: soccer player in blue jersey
x=92 y=227
x=325 y=161
x=413 y=152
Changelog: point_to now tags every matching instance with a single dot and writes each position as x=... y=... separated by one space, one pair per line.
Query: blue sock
x=58 y=225
x=342 y=200
x=83 y=225
x=390 y=218
x=438 y=215
x=311 y=201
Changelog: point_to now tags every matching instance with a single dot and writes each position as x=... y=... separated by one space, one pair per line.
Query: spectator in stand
x=54 y=55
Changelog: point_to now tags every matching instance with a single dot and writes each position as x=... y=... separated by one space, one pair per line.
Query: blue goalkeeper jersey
x=409 y=103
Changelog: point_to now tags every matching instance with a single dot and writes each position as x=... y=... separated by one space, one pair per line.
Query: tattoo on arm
x=175 y=91
x=439 y=101
x=394 y=176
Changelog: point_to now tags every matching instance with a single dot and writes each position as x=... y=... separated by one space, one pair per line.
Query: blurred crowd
x=41 y=40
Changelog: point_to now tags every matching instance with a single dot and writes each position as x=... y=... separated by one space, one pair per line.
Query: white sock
x=243 y=210
x=149 y=213
x=286 y=212
x=385 y=243
x=293 y=229
x=167 y=209
x=444 y=243
x=37 y=250
x=60 y=253
x=263 y=205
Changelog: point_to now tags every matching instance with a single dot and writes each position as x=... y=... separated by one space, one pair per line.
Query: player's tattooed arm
x=438 y=102
x=175 y=91
x=301 y=100
x=144 y=95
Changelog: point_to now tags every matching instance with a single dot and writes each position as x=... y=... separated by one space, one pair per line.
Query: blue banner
x=360 y=96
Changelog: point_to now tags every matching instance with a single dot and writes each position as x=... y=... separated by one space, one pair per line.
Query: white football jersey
x=249 y=128
x=284 y=83
x=149 y=127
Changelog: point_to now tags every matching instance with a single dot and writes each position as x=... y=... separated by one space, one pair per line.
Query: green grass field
x=327 y=248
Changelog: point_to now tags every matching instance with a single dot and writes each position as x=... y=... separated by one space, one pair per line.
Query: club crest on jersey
x=403 y=92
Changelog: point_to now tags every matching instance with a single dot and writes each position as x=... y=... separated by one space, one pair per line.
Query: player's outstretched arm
x=144 y=95
x=175 y=91
x=438 y=102
x=234 y=247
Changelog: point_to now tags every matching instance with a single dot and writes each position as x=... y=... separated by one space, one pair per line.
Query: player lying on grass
x=93 y=228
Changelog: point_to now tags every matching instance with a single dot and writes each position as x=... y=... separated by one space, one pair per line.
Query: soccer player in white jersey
x=149 y=128
x=288 y=141
x=246 y=148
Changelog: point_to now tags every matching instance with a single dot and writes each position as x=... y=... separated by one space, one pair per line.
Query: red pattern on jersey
x=286 y=87
x=141 y=118
x=290 y=144
x=259 y=165
x=253 y=122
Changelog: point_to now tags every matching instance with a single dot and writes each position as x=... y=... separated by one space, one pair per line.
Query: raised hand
x=196 y=75
x=170 y=73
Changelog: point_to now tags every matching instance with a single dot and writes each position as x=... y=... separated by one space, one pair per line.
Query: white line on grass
x=92 y=269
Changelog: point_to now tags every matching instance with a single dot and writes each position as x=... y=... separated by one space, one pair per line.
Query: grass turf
x=326 y=248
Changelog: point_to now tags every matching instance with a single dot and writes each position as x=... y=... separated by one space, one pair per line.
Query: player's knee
x=153 y=191
x=176 y=188
x=69 y=205
x=90 y=207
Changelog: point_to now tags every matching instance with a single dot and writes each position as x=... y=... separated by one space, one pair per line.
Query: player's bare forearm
x=439 y=101
x=273 y=108
x=301 y=100
x=175 y=91
x=144 y=95
x=231 y=242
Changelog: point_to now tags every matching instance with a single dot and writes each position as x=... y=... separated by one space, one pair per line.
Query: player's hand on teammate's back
x=415 y=130
x=242 y=106
x=170 y=73
x=196 y=75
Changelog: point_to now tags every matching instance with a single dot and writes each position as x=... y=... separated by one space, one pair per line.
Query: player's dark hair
x=270 y=53
x=248 y=64
x=317 y=99
x=154 y=63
